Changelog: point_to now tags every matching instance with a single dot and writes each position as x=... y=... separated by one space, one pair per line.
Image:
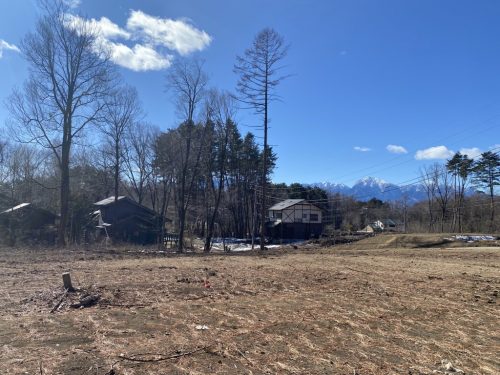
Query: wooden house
x=294 y=219
x=27 y=223
x=124 y=220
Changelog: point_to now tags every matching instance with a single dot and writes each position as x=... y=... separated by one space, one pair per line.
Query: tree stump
x=67 y=282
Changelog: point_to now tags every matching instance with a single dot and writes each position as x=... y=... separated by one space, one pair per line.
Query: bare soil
x=379 y=306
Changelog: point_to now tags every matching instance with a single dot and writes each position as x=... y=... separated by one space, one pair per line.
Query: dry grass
x=360 y=308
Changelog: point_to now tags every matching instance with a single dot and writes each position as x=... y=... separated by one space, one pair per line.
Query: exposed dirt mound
x=416 y=241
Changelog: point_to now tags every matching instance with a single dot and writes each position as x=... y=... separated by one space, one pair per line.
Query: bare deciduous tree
x=429 y=181
x=138 y=157
x=68 y=81
x=187 y=82
x=259 y=74
x=121 y=111
x=220 y=115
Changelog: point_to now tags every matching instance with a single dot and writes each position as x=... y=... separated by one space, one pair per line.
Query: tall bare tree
x=460 y=167
x=259 y=71
x=69 y=75
x=121 y=110
x=138 y=157
x=187 y=82
x=429 y=181
x=220 y=118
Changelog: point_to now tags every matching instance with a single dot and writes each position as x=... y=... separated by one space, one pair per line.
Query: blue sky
x=378 y=88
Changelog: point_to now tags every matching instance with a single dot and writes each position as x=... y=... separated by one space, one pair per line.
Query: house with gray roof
x=294 y=219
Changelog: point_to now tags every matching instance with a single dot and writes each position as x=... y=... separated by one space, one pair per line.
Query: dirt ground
x=378 y=306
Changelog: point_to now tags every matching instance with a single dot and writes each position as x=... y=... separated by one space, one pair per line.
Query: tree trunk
x=492 y=208
x=264 y=172
x=64 y=193
x=117 y=168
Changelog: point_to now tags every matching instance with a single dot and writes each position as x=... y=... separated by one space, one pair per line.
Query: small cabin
x=27 y=223
x=295 y=219
x=124 y=220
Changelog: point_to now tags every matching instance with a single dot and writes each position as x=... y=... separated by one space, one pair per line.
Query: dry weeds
x=344 y=310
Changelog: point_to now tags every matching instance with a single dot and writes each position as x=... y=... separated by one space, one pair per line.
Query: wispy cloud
x=436 y=152
x=177 y=35
x=145 y=41
x=104 y=27
x=472 y=152
x=7 y=46
x=394 y=149
x=362 y=149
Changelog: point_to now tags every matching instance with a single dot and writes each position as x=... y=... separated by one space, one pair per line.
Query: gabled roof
x=289 y=203
x=111 y=200
x=29 y=207
x=285 y=204
x=15 y=208
x=108 y=200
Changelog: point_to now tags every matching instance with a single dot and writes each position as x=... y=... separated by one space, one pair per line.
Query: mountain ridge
x=372 y=187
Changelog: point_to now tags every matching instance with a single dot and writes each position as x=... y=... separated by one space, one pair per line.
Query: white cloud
x=436 y=152
x=394 y=149
x=139 y=57
x=472 y=152
x=362 y=149
x=177 y=35
x=7 y=46
x=151 y=37
x=103 y=27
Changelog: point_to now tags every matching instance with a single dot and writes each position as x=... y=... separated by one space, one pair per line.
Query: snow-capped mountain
x=371 y=187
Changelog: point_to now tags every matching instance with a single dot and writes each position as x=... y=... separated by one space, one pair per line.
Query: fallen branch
x=58 y=304
x=243 y=355
x=87 y=301
x=166 y=358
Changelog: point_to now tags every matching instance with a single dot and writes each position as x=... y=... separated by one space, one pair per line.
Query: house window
x=304 y=216
x=278 y=215
x=313 y=217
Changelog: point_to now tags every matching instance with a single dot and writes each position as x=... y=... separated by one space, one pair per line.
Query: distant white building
x=386 y=225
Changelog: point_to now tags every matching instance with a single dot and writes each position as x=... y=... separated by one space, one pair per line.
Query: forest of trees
x=77 y=134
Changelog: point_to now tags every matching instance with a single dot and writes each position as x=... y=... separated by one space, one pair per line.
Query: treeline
x=77 y=134
x=461 y=197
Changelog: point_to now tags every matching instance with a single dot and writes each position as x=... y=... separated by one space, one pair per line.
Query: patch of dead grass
x=335 y=311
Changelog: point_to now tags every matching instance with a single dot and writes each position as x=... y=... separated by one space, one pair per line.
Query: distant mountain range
x=371 y=187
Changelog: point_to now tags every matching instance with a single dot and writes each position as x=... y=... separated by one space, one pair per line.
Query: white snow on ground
x=474 y=238
x=240 y=247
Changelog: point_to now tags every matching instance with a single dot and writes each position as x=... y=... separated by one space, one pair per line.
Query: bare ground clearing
x=347 y=310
